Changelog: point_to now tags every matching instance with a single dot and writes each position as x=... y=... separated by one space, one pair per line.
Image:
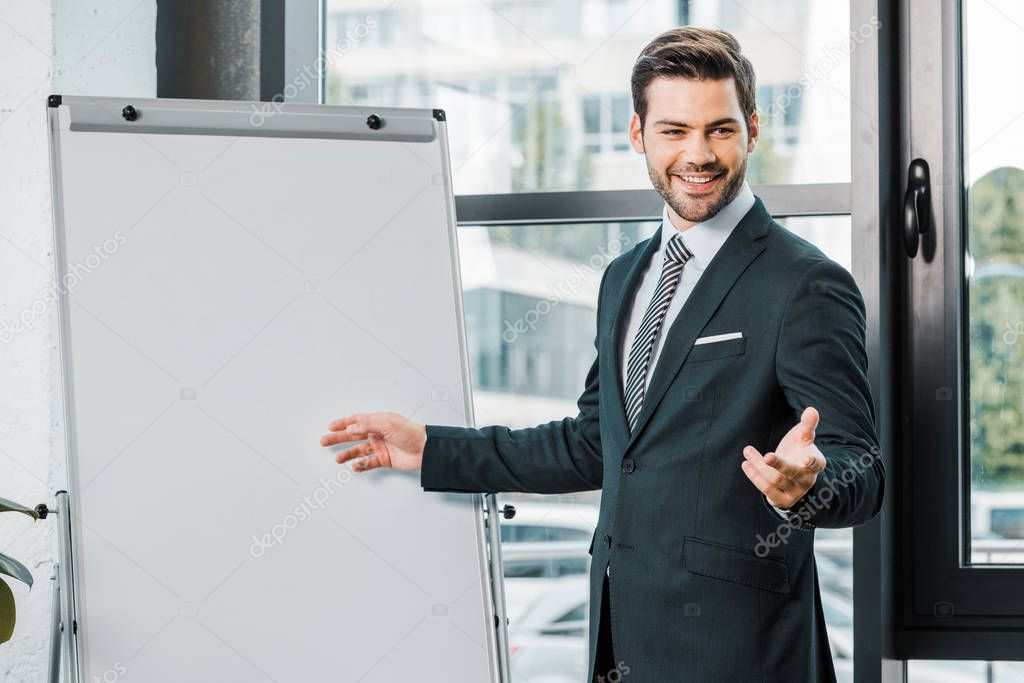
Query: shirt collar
x=704 y=239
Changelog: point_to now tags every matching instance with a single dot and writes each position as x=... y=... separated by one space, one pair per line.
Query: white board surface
x=224 y=296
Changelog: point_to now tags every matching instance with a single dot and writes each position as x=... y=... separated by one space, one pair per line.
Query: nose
x=697 y=152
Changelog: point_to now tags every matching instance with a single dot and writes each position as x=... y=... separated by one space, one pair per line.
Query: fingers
x=808 y=464
x=815 y=462
x=809 y=422
x=367 y=427
x=339 y=437
x=354 y=452
x=371 y=461
x=361 y=423
x=769 y=474
x=355 y=427
x=788 y=470
x=757 y=478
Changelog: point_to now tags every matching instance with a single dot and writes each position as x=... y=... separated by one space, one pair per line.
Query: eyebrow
x=712 y=124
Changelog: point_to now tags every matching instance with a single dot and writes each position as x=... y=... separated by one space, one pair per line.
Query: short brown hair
x=694 y=52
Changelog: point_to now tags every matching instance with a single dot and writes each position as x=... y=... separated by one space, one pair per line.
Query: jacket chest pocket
x=717 y=349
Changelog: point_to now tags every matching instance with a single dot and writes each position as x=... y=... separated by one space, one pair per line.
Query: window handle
x=917 y=206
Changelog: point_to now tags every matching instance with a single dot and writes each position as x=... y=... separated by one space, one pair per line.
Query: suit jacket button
x=607 y=541
x=628 y=465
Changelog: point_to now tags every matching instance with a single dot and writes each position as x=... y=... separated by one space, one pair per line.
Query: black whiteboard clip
x=439 y=115
x=53 y=101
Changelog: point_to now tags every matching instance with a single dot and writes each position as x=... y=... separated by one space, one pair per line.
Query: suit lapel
x=739 y=250
x=623 y=304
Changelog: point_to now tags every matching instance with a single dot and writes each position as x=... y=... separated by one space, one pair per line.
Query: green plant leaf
x=11 y=567
x=6 y=612
x=11 y=506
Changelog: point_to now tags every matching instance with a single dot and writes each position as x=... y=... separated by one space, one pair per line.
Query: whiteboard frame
x=236 y=118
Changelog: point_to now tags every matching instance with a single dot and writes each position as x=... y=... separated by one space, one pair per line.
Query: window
x=962 y=518
x=994 y=260
x=536 y=92
x=779 y=107
x=605 y=122
x=530 y=296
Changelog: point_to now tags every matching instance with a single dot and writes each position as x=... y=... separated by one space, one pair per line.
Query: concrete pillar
x=209 y=49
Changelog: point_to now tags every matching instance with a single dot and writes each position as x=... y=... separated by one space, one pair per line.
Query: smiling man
x=727 y=413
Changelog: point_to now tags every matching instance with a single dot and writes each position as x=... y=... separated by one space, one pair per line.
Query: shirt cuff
x=785 y=514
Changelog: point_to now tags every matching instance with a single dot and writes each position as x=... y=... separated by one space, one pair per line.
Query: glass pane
x=530 y=293
x=519 y=81
x=948 y=671
x=530 y=296
x=831 y=234
x=622 y=109
x=994 y=175
x=591 y=115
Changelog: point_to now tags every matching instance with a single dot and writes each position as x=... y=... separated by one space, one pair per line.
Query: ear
x=753 y=130
x=636 y=134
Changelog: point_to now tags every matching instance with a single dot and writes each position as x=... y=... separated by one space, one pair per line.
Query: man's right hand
x=392 y=441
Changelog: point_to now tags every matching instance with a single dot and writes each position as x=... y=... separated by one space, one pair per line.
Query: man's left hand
x=786 y=474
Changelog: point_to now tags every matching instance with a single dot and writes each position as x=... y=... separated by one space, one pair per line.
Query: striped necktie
x=676 y=255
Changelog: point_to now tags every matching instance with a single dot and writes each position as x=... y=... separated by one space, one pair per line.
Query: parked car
x=531 y=569
x=997 y=514
x=549 y=522
x=834 y=576
x=542 y=543
x=548 y=641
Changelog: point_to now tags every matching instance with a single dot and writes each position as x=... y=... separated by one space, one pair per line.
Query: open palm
x=391 y=441
x=787 y=473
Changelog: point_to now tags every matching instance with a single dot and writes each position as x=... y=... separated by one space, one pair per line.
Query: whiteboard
x=231 y=278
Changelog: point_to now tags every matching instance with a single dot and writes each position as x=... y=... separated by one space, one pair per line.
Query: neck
x=678 y=222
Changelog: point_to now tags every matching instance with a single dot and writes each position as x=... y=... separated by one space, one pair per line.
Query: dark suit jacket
x=708 y=583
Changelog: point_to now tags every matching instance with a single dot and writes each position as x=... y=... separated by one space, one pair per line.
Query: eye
x=723 y=131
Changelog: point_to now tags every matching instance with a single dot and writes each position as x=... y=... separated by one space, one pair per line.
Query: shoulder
x=628 y=250
x=624 y=250
x=789 y=250
x=800 y=261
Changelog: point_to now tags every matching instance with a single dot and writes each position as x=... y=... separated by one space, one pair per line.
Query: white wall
x=73 y=47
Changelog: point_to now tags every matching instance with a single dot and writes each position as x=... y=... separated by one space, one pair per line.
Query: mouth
x=698 y=183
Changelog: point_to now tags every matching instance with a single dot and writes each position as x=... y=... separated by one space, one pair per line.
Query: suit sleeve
x=821 y=361
x=561 y=456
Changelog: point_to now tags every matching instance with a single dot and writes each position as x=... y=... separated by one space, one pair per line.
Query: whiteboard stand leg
x=497 y=584
x=66 y=626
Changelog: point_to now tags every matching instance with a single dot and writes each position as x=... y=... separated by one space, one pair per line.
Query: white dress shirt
x=703 y=240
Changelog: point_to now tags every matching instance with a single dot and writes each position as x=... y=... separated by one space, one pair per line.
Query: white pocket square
x=718 y=338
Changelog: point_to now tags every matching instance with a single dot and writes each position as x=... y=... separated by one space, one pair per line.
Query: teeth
x=699 y=181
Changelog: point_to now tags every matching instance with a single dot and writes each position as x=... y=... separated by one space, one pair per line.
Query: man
x=726 y=416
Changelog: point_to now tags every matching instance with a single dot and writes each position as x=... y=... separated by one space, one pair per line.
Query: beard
x=701 y=208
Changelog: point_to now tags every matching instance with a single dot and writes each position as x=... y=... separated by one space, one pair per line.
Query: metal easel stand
x=64 y=625
x=498 y=579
